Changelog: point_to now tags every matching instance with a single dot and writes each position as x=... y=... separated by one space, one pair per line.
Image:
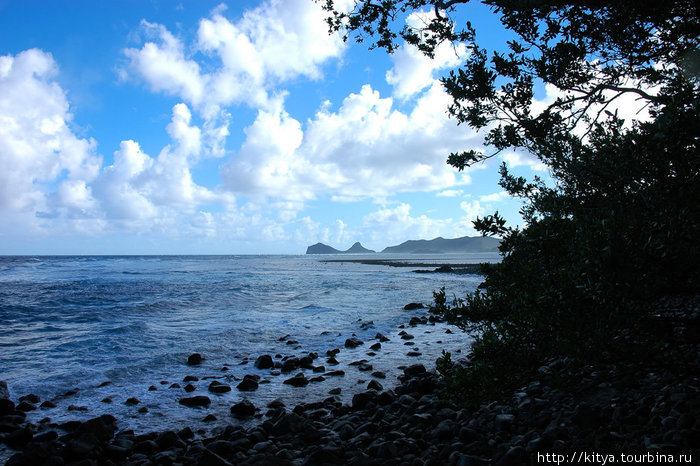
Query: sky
x=198 y=127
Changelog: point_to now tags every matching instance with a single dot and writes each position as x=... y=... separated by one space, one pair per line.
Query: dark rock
x=334 y=373
x=407 y=336
x=6 y=406
x=414 y=370
x=353 y=342
x=298 y=380
x=264 y=362
x=175 y=385
x=152 y=388
x=194 y=359
x=218 y=387
x=376 y=346
x=365 y=367
x=332 y=361
x=4 y=391
x=209 y=458
x=194 y=401
x=25 y=406
x=248 y=384
x=290 y=364
x=360 y=400
x=243 y=409
x=513 y=457
x=374 y=385
x=413 y=306
x=190 y=388
x=209 y=418
x=288 y=423
x=32 y=398
x=335 y=391
x=379 y=374
x=186 y=434
x=381 y=337
x=106 y=400
x=319 y=369
x=414 y=353
x=19 y=437
x=47 y=404
x=132 y=401
x=190 y=378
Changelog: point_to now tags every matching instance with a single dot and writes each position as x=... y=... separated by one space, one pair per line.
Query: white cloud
x=523 y=159
x=495 y=197
x=367 y=149
x=413 y=71
x=37 y=145
x=396 y=224
x=450 y=193
x=275 y=42
x=473 y=210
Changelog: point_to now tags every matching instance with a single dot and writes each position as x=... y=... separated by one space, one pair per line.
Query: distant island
x=320 y=248
x=434 y=246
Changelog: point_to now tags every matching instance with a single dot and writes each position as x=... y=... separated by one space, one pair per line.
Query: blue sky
x=166 y=127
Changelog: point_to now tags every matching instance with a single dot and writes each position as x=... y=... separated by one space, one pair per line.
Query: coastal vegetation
x=613 y=235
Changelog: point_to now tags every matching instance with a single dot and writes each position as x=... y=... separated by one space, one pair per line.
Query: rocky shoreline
x=629 y=407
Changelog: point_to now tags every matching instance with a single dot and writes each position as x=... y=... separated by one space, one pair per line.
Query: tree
x=618 y=227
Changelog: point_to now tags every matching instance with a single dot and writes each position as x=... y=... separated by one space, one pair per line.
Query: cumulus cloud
x=413 y=71
x=37 y=145
x=397 y=224
x=275 y=42
x=366 y=149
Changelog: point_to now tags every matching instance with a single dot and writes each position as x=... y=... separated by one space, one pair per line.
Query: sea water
x=71 y=323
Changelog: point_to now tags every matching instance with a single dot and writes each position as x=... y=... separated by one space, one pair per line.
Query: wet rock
x=298 y=380
x=413 y=306
x=374 y=385
x=132 y=401
x=407 y=336
x=248 y=384
x=362 y=399
x=31 y=398
x=195 y=401
x=414 y=370
x=264 y=362
x=243 y=409
x=175 y=385
x=218 y=387
x=381 y=337
x=290 y=364
x=335 y=373
x=77 y=408
x=6 y=406
x=25 y=406
x=4 y=391
x=353 y=342
x=365 y=367
x=209 y=418
x=289 y=423
x=319 y=369
x=332 y=361
x=152 y=388
x=190 y=388
x=335 y=391
x=194 y=359
x=19 y=438
x=47 y=404
x=190 y=378
x=414 y=353
x=379 y=374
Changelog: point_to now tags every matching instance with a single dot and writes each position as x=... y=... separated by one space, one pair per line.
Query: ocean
x=118 y=327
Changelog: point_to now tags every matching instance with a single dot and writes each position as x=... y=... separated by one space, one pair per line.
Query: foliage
x=618 y=227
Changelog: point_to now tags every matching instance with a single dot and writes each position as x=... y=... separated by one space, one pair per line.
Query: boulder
x=194 y=401
x=414 y=370
x=218 y=387
x=248 y=384
x=243 y=409
x=264 y=362
x=298 y=380
x=353 y=342
x=413 y=306
x=4 y=391
x=194 y=359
